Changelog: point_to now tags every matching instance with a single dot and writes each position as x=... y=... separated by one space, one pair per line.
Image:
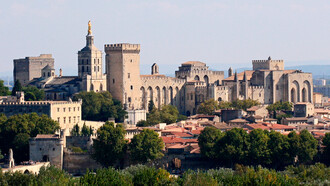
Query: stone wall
x=78 y=163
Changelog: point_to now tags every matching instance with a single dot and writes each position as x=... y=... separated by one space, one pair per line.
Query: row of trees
x=209 y=106
x=166 y=114
x=100 y=106
x=84 y=131
x=16 y=131
x=31 y=93
x=142 y=175
x=110 y=146
x=259 y=147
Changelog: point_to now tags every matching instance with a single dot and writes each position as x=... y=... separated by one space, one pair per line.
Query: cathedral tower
x=123 y=73
x=90 y=65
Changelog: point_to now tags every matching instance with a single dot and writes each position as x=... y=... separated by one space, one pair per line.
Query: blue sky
x=221 y=33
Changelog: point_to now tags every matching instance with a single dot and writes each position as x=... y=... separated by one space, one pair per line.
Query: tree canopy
x=209 y=106
x=100 y=106
x=110 y=144
x=146 y=146
x=16 y=130
x=32 y=93
x=258 y=147
x=4 y=91
x=17 y=87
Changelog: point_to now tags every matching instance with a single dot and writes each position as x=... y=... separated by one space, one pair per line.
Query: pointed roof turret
x=235 y=78
x=244 y=77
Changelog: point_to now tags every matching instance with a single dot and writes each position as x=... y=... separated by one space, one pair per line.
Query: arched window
x=82 y=69
x=94 y=68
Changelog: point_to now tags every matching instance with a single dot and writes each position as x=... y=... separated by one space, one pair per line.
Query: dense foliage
x=280 y=106
x=258 y=147
x=317 y=174
x=167 y=114
x=4 y=91
x=84 y=131
x=209 y=106
x=110 y=145
x=17 y=87
x=100 y=106
x=16 y=130
x=31 y=93
x=146 y=146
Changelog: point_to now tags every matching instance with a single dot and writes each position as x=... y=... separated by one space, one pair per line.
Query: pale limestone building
x=66 y=113
x=194 y=83
x=27 y=68
x=90 y=74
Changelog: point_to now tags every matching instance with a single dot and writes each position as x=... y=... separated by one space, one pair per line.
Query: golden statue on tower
x=89 y=28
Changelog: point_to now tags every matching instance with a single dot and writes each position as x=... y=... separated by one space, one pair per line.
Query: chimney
x=60 y=72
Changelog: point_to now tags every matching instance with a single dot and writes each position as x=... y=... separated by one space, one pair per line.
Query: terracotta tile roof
x=47 y=136
x=254 y=108
x=240 y=75
x=196 y=132
x=194 y=63
x=238 y=120
x=268 y=126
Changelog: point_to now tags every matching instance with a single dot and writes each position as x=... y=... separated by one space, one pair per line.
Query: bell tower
x=90 y=65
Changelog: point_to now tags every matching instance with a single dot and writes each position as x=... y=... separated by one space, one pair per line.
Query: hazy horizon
x=221 y=34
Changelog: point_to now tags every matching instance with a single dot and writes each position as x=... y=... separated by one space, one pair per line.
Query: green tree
x=4 y=91
x=29 y=96
x=279 y=106
x=279 y=150
x=308 y=147
x=1 y=156
x=53 y=176
x=85 y=130
x=153 y=117
x=151 y=105
x=32 y=93
x=110 y=144
x=208 y=107
x=259 y=153
x=225 y=105
x=326 y=151
x=100 y=106
x=207 y=141
x=17 y=87
x=146 y=146
x=169 y=114
x=106 y=176
x=233 y=146
x=244 y=104
x=16 y=130
x=75 y=131
x=142 y=123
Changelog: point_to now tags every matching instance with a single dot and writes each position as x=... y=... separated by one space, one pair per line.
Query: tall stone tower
x=90 y=65
x=123 y=73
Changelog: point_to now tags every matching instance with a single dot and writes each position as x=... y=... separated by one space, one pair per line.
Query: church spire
x=244 y=77
x=235 y=78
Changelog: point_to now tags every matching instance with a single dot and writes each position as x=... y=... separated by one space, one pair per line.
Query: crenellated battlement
x=222 y=88
x=264 y=61
x=41 y=103
x=122 y=47
x=256 y=87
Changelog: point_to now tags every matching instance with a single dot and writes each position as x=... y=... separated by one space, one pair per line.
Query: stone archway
x=196 y=78
x=304 y=95
x=164 y=96
x=293 y=95
x=158 y=98
x=206 y=79
x=143 y=98
x=171 y=95
x=308 y=90
x=295 y=92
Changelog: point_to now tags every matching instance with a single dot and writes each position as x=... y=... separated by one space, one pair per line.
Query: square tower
x=268 y=64
x=123 y=73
